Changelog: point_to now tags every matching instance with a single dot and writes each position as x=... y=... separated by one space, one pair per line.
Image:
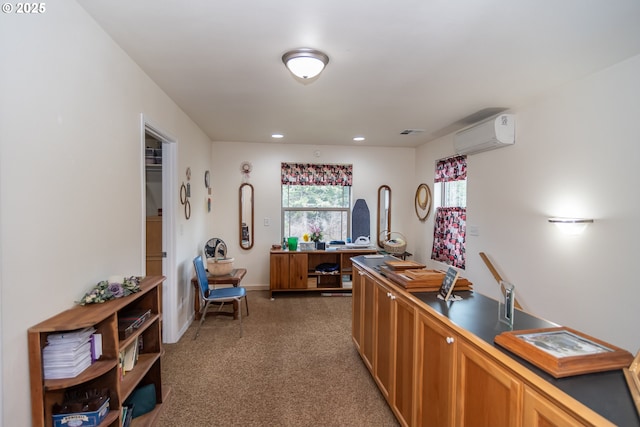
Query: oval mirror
x=384 y=213
x=246 y=216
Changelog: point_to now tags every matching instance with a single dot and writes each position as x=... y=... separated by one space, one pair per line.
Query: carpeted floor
x=295 y=366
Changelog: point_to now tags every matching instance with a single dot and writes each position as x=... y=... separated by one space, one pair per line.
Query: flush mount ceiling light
x=305 y=63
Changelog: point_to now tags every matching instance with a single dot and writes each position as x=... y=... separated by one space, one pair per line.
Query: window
x=450 y=222
x=316 y=196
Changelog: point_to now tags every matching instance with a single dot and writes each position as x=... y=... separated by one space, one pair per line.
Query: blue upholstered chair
x=221 y=295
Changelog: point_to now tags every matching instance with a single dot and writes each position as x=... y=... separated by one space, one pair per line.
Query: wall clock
x=423 y=202
x=245 y=168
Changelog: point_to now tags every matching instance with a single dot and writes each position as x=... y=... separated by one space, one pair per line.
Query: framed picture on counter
x=448 y=283
x=632 y=375
x=564 y=352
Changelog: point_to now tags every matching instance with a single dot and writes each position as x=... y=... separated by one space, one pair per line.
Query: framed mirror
x=246 y=216
x=384 y=212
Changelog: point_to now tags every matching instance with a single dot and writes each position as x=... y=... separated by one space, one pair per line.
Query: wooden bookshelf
x=105 y=372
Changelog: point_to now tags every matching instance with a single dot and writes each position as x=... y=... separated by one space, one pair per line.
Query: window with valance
x=316 y=196
x=450 y=221
x=316 y=174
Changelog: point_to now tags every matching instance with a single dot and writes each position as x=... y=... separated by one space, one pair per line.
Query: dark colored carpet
x=296 y=365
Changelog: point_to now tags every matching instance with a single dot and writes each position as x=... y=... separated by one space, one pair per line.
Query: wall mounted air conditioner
x=489 y=134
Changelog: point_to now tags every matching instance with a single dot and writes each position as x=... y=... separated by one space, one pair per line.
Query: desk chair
x=221 y=295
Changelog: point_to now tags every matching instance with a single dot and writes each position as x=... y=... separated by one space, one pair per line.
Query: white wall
x=576 y=154
x=372 y=167
x=70 y=175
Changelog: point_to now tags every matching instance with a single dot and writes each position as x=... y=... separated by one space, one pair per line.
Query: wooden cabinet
x=106 y=372
x=279 y=271
x=296 y=271
x=288 y=271
x=387 y=341
x=357 y=300
x=383 y=326
x=368 y=320
x=435 y=373
x=457 y=384
x=486 y=394
x=538 y=411
x=435 y=353
x=403 y=353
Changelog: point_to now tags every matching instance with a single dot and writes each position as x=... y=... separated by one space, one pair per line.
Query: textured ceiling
x=394 y=65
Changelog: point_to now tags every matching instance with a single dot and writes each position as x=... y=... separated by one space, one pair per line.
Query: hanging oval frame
x=423 y=202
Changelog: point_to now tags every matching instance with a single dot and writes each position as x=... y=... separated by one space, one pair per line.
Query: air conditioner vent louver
x=411 y=131
x=489 y=134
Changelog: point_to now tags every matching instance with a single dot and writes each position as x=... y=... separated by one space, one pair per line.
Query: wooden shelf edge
x=151 y=418
x=110 y=417
x=82 y=316
x=98 y=368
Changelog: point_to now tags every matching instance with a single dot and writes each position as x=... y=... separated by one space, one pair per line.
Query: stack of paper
x=67 y=354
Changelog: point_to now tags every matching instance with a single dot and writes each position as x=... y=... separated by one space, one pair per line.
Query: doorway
x=159 y=245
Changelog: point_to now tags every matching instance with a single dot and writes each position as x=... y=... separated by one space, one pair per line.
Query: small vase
x=320 y=246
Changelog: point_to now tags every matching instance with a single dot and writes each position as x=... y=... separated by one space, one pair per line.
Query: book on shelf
x=130 y=357
x=127 y=414
x=96 y=347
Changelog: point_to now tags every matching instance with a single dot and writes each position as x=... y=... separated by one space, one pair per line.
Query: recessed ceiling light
x=358 y=138
x=277 y=135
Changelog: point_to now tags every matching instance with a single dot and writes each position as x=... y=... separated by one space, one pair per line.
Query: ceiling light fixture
x=358 y=138
x=305 y=63
x=277 y=135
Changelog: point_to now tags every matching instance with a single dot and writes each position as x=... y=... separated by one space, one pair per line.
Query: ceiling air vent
x=411 y=131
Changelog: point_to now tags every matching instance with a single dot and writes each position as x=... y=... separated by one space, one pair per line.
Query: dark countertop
x=606 y=393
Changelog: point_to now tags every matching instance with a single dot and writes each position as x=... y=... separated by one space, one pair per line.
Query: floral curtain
x=450 y=223
x=316 y=174
x=451 y=169
x=449 y=235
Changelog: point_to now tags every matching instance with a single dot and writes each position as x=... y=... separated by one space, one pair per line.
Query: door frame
x=169 y=191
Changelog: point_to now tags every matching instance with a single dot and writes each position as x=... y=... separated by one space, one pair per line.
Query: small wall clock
x=245 y=168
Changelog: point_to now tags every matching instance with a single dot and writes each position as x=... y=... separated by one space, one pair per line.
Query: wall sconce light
x=305 y=63
x=571 y=225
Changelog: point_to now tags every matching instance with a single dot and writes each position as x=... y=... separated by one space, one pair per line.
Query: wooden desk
x=234 y=278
